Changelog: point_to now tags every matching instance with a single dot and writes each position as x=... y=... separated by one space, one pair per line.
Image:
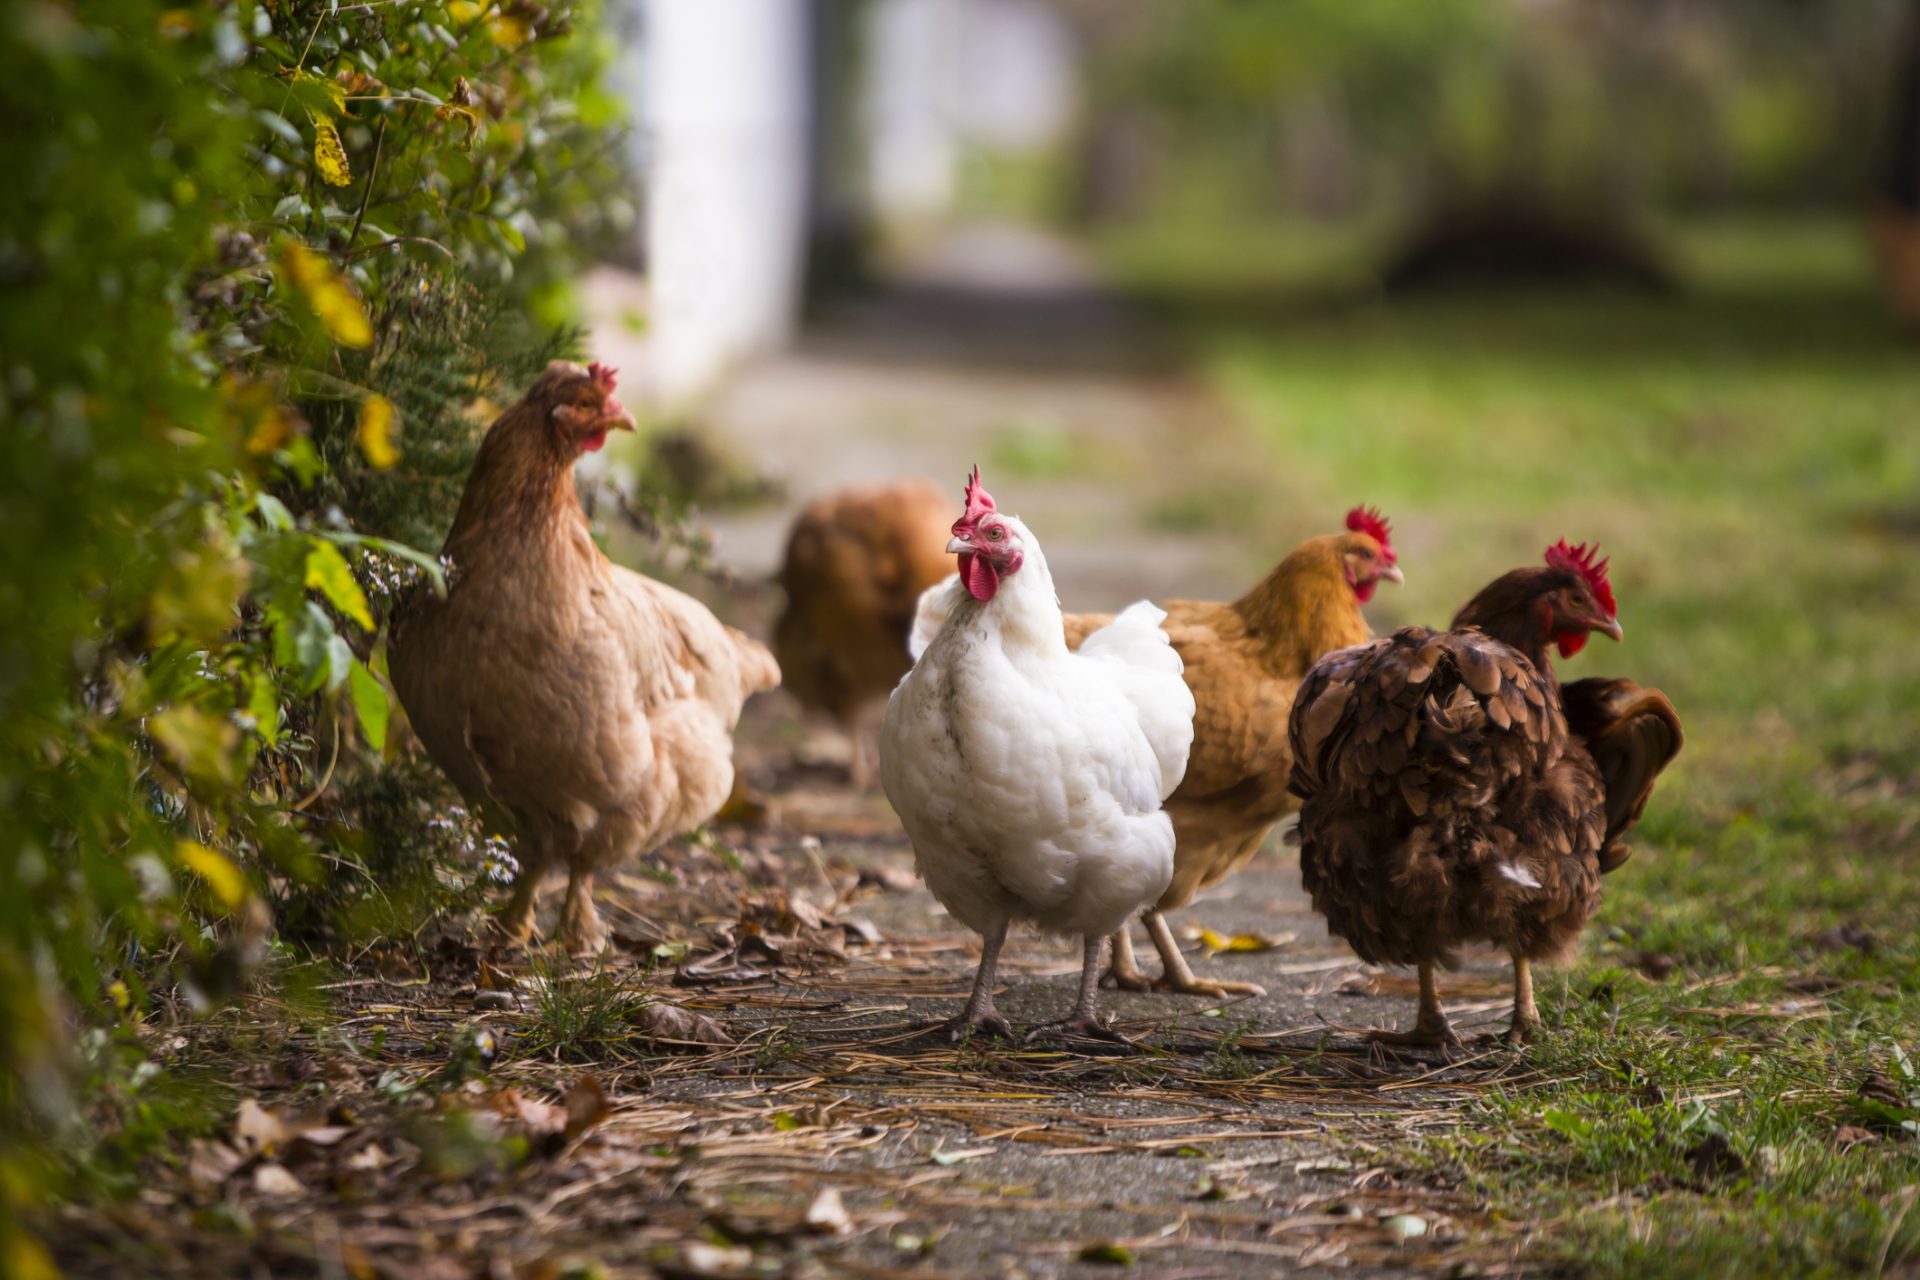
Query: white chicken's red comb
x=979 y=501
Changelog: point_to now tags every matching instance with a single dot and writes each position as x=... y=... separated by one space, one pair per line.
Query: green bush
x=268 y=266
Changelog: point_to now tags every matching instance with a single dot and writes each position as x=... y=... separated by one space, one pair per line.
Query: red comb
x=603 y=375
x=1582 y=558
x=979 y=501
x=1369 y=521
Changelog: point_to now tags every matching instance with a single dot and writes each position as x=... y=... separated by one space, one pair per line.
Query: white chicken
x=1030 y=778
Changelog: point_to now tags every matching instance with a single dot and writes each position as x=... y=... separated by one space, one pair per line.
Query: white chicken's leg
x=979 y=1015
x=1084 y=1021
x=1177 y=977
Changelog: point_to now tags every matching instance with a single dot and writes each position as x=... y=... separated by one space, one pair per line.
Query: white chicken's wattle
x=1029 y=777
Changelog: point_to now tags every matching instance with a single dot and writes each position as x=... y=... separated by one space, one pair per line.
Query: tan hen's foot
x=580 y=932
x=1192 y=986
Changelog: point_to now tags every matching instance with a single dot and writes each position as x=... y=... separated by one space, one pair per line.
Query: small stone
x=494 y=1001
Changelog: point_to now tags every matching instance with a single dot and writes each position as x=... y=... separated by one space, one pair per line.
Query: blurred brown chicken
x=1244 y=663
x=1454 y=792
x=594 y=706
x=856 y=564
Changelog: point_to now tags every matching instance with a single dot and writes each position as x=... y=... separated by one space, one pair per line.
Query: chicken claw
x=1178 y=978
x=1077 y=1027
x=1430 y=1030
x=978 y=1022
x=1123 y=973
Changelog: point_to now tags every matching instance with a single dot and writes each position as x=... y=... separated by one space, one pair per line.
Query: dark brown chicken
x=1453 y=792
x=855 y=566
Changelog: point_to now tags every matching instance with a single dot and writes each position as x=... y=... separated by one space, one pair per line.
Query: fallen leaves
x=1213 y=943
x=675 y=1024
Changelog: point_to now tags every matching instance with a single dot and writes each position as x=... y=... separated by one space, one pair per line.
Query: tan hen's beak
x=1392 y=574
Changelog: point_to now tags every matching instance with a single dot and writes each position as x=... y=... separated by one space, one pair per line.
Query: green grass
x=1749 y=455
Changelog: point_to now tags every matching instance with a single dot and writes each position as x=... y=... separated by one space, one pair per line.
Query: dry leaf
x=671 y=1022
x=209 y=1164
x=256 y=1129
x=273 y=1180
x=828 y=1214
x=586 y=1105
x=1216 y=943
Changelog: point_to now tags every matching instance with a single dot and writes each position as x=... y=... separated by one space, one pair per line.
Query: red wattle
x=1363 y=591
x=979 y=577
x=1570 y=642
x=593 y=442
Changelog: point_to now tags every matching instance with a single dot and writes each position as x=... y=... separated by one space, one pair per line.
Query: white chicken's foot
x=1084 y=1023
x=1178 y=978
x=979 y=1015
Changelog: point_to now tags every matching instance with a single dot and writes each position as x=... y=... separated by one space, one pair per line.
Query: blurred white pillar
x=726 y=109
x=913 y=144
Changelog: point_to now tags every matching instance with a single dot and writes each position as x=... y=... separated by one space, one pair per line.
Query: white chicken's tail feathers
x=936 y=602
x=1147 y=669
x=1135 y=638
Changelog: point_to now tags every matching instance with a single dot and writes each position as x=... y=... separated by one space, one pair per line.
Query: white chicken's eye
x=993 y=534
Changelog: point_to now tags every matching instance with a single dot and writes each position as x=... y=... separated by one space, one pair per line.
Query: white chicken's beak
x=1392 y=574
x=958 y=545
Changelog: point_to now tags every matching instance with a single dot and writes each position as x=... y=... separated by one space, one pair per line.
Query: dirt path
x=798 y=1114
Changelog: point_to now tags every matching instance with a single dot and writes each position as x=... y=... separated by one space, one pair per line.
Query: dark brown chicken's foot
x=1524 y=1029
x=1178 y=978
x=1124 y=973
x=1430 y=1029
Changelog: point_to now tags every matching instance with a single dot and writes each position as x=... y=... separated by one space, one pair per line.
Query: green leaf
x=320 y=656
x=327 y=573
x=273 y=512
x=1567 y=1124
x=427 y=563
x=1108 y=1253
x=370 y=704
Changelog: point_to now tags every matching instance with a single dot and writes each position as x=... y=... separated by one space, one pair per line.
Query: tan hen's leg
x=1177 y=977
x=1124 y=972
x=514 y=924
x=581 y=932
x=1431 y=1029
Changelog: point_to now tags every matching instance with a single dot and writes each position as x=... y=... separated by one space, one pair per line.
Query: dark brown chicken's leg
x=1177 y=977
x=1084 y=1022
x=1431 y=1029
x=979 y=1015
x=1525 y=1027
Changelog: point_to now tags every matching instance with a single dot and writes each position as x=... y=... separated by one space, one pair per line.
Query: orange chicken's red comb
x=1583 y=558
x=605 y=376
x=1369 y=521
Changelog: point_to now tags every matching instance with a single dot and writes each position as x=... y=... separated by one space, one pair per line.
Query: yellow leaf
x=374 y=435
x=339 y=310
x=177 y=23
x=329 y=156
x=271 y=432
x=202 y=744
x=510 y=32
x=227 y=881
x=327 y=573
x=1215 y=943
x=464 y=11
